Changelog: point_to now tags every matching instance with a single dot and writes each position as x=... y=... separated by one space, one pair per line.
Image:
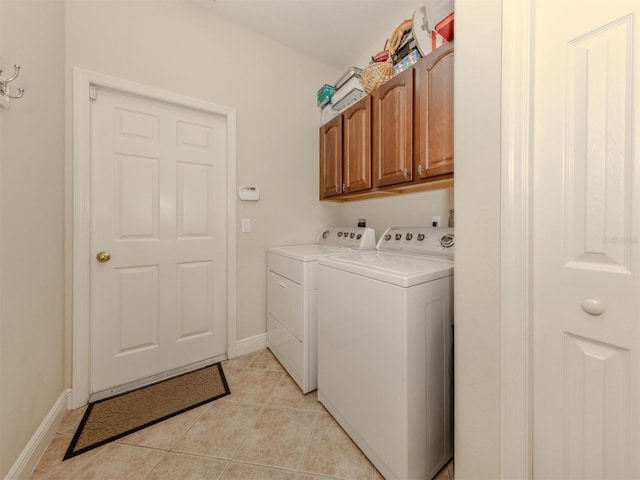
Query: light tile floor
x=266 y=429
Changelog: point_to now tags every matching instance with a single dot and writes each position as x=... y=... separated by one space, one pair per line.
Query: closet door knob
x=593 y=306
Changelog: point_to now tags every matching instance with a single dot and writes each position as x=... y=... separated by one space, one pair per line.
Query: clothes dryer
x=292 y=294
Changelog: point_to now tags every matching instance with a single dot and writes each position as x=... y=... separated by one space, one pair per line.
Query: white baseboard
x=40 y=440
x=251 y=344
x=35 y=448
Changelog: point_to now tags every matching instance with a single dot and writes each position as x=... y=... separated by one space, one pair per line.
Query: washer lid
x=308 y=253
x=396 y=268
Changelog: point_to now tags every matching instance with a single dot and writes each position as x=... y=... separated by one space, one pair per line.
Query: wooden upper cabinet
x=331 y=158
x=392 y=131
x=345 y=151
x=356 y=146
x=433 y=114
x=395 y=139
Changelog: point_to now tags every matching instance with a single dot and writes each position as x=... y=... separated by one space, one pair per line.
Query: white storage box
x=348 y=75
x=327 y=113
x=349 y=99
x=349 y=92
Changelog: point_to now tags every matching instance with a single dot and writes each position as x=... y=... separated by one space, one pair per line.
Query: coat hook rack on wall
x=5 y=93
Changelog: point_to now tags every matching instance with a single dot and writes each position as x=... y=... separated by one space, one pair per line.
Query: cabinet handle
x=420 y=169
x=344 y=188
x=337 y=189
x=282 y=285
x=406 y=173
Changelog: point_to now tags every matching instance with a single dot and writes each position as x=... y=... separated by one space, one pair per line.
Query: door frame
x=516 y=261
x=83 y=81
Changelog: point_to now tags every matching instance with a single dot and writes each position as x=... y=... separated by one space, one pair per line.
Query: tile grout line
x=249 y=430
x=308 y=443
x=233 y=455
x=284 y=399
x=155 y=465
x=186 y=430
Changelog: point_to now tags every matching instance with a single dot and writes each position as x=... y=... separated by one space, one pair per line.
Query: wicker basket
x=375 y=74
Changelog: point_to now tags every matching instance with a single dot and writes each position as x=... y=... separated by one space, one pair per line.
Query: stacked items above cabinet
x=399 y=137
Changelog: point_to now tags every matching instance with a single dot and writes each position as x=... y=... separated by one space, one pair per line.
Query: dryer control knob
x=398 y=236
x=387 y=237
x=409 y=236
x=420 y=237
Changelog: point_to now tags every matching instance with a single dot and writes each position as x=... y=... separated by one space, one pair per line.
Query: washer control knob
x=339 y=234
x=447 y=241
x=409 y=236
x=420 y=237
x=359 y=236
x=398 y=236
x=351 y=235
x=387 y=237
x=325 y=234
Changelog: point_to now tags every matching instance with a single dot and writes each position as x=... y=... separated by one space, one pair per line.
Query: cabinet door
x=331 y=158
x=356 y=146
x=393 y=130
x=434 y=113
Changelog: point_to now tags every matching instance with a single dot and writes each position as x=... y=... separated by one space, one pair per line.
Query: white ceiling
x=335 y=32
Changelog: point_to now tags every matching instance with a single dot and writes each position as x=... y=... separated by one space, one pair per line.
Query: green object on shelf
x=324 y=94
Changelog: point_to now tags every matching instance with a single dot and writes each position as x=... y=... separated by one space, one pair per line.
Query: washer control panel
x=353 y=237
x=420 y=240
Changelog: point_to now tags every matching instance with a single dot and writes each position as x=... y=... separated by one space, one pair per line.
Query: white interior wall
x=31 y=222
x=185 y=48
x=179 y=46
x=410 y=209
x=477 y=113
x=3 y=469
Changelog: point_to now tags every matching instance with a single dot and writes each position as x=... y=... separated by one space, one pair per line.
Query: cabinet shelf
x=444 y=181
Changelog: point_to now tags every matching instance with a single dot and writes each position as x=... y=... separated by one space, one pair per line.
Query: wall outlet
x=246 y=225
x=435 y=221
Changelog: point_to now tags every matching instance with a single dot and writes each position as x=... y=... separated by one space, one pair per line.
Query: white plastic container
x=345 y=89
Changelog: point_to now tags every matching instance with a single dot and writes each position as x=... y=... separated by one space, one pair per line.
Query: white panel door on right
x=586 y=285
x=159 y=207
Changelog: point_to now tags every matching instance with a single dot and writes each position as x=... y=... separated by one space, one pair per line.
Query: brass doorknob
x=103 y=257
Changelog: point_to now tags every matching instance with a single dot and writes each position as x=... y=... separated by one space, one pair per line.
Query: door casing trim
x=516 y=265
x=83 y=80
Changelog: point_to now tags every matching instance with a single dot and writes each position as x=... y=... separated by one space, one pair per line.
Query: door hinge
x=93 y=92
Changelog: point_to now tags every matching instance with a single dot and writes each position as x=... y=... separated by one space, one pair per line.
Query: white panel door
x=159 y=210
x=586 y=286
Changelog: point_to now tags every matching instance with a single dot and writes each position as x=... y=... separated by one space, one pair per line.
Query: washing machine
x=385 y=349
x=292 y=298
